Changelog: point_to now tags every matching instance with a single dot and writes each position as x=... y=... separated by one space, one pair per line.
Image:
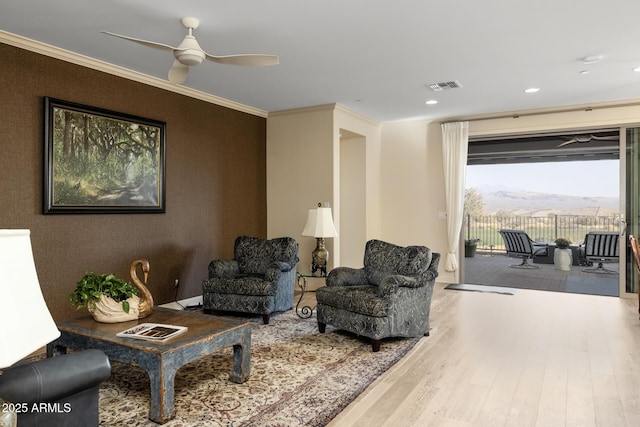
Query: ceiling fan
x=588 y=138
x=189 y=53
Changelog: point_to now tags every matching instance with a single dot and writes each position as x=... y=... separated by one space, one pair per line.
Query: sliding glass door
x=632 y=204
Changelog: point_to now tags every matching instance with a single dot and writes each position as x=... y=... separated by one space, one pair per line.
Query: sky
x=592 y=178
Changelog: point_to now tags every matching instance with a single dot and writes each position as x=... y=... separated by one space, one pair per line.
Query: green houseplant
x=562 y=243
x=470 y=246
x=92 y=287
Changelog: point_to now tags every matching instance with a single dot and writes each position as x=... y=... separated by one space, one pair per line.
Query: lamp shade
x=25 y=321
x=319 y=223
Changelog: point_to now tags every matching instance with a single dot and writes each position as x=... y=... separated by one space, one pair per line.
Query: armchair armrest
x=282 y=266
x=49 y=380
x=390 y=283
x=223 y=268
x=346 y=276
x=272 y=274
x=430 y=275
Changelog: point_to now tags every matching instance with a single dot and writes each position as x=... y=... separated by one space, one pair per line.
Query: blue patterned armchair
x=389 y=297
x=259 y=280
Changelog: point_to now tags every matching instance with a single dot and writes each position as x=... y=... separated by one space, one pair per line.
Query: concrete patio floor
x=484 y=269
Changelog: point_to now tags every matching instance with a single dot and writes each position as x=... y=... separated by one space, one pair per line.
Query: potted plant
x=562 y=243
x=470 y=246
x=562 y=256
x=108 y=298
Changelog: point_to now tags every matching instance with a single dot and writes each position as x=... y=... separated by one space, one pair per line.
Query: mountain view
x=543 y=204
x=542 y=189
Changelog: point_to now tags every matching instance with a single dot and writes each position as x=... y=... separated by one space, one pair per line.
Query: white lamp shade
x=25 y=322
x=319 y=223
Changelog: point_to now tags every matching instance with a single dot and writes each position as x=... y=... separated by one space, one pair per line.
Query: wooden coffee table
x=206 y=335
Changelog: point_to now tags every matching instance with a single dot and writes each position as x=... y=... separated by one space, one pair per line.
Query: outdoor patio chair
x=600 y=247
x=520 y=245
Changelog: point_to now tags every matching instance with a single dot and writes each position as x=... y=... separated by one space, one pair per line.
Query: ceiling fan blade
x=606 y=138
x=178 y=72
x=589 y=138
x=153 y=45
x=247 y=60
x=571 y=141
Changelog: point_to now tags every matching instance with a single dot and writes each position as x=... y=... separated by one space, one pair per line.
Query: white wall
x=299 y=173
x=303 y=169
x=413 y=187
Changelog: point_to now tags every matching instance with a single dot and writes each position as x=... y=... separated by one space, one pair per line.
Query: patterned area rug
x=298 y=377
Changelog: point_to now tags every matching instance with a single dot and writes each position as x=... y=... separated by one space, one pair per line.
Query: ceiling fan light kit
x=591 y=59
x=189 y=56
x=189 y=53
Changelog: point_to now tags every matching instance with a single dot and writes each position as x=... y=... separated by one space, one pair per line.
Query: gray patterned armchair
x=389 y=297
x=259 y=280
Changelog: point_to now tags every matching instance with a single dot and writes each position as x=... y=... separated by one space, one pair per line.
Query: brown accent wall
x=215 y=181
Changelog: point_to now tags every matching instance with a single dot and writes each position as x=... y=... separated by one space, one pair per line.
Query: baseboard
x=182 y=304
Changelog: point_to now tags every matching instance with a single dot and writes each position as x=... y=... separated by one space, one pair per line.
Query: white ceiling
x=375 y=57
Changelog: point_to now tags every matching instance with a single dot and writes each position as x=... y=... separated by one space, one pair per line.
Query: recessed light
x=431 y=102
x=532 y=90
x=637 y=69
x=585 y=72
x=592 y=59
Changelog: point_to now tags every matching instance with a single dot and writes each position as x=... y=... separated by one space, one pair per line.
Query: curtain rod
x=541 y=113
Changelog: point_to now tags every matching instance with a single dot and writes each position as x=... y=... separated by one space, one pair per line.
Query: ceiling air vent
x=439 y=87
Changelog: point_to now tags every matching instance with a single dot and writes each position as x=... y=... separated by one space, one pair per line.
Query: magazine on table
x=156 y=332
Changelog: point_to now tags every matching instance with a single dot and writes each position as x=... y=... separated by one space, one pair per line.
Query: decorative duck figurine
x=146 y=300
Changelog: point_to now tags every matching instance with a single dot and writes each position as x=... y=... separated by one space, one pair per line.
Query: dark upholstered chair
x=67 y=386
x=389 y=297
x=520 y=245
x=600 y=247
x=259 y=280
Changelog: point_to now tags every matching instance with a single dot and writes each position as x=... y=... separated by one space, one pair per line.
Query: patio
x=494 y=270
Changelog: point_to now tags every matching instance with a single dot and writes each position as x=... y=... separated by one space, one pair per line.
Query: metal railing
x=540 y=229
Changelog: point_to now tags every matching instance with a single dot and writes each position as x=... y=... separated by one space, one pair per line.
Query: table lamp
x=320 y=225
x=25 y=322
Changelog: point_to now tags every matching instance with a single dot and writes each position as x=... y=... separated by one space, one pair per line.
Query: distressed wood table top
x=205 y=335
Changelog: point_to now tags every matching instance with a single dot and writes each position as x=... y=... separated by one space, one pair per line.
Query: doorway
x=353 y=190
x=551 y=186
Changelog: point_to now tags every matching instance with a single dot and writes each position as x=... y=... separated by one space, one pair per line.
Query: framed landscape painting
x=100 y=161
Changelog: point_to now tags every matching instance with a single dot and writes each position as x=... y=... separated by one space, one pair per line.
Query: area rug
x=298 y=377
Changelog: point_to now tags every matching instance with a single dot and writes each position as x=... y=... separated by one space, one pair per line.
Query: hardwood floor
x=531 y=359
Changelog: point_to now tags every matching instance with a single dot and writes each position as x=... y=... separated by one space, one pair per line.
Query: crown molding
x=334 y=107
x=358 y=116
x=95 y=64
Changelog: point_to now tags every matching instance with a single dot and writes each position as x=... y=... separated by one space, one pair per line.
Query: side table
x=306 y=311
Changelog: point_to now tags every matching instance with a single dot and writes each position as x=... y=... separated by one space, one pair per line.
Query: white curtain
x=455 y=139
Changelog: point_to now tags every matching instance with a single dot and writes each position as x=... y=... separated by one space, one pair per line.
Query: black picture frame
x=101 y=161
